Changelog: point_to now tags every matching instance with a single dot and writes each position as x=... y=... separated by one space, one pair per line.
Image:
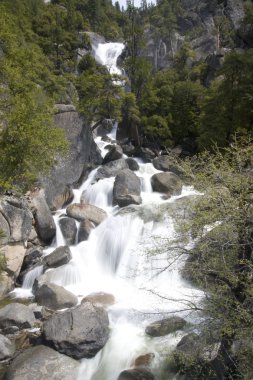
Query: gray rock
x=68 y=229
x=60 y=256
x=82 y=211
x=55 y=297
x=7 y=348
x=165 y=326
x=32 y=257
x=168 y=183
x=111 y=169
x=132 y=164
x=164 y=164
x=80 y=332
x=84 y=231
x=16 y=314
x=42 y=363
x=44 y=222
x=18 y=217
x=14 y=255
x=69 y=169
x=100 y=299
x=115 y=153
x=136 y=374
x=61 y=108
x=126 y=189
x=6 y=284
x=5 y=228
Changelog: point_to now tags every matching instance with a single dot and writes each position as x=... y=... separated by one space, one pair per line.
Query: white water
x=119 y=258
x=107 y=54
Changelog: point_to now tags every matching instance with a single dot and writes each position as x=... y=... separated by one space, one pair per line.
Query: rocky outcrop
x=15 y=219
x=136 y=374
x=42 y=363
x=60 y=256
x=82 y=211
x=82 y=150
x=7 y=348
x=80 y=332
x=16 y=314
x=167 y=183
x=111 y=169
x=126 y=189
x=165 y=326
x=44 y=222
x=115 y=153
x=55 y=297
x=68 y=229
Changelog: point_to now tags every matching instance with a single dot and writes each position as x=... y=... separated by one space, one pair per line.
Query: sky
x=137 y=3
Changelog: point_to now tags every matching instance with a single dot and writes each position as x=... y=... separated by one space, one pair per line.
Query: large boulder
x=132 y=164
x=82 y=211
x=136 y=374
x=14 y=255
x=165 y=326
x=55 y=297
x=115 y=153
x=100 y=299
x=60 y=256
x=68 y=229
x=19 y=218
x=6 y=284
x=44 y=222
x=32 y=257
x=84 y=230
x=80 y=332
x=16 y=314
x=7 y=348
x=168 y=183
x=42 y=363
x=111 y=169
x=69 y=169
x=5 y=228
x=127 y=188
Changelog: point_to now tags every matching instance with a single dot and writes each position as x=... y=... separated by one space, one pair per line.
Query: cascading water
x=117 y=259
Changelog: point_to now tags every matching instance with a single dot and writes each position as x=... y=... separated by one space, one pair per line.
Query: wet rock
x=111 y=169
x=100 y=299
x=16 y=314
x=132 y=164
x=58 y=257
x=128 y=149
x=32 y=257
x=14 y=255
x=18 y=217
x=68 y=229
x=44 y=222
x=42 y=363
x=144 y=360
x=126 y=189
x=80 y=332
x=168 y=183
x=7 y=348
x=82 y=211
x=55 y=297
x=84 y=231
x=115 y=153
x=136 y=374
x=165 y=326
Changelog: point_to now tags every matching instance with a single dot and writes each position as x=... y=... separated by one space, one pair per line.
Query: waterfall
x=107 y=54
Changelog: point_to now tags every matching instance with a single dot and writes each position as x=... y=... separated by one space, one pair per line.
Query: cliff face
x=201 y=24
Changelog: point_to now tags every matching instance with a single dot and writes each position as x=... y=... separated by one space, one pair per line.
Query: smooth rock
x=42 y=363
x=14 y=255
x=7 y=348
x=58 y=257
x=168 y=183
x=80 y=332
x=165 y=326
x=115 y=153
x=100 y=299
x=6 y=284
x=136 y=374
x=144 y=360
x=44 y=222
x=68 y=229
x=19 y=218
x=111 y=169
x=55 y=297
x=132 y=164
x=16 y=314
x=84 y=231
x=126 y=189
x=82 y=211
